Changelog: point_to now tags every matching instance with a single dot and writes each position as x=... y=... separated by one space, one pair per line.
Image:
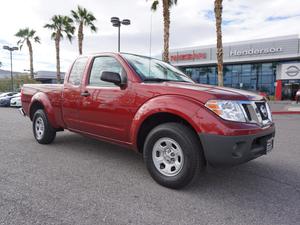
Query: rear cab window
x=77 y=71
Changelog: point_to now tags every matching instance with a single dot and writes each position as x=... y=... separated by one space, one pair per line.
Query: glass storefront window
x=256 y=76
x=227 y=76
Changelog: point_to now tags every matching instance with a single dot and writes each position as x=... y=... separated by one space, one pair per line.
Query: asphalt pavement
x=78 y=180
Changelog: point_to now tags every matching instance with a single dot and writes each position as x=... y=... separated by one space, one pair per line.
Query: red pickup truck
x=153 y=108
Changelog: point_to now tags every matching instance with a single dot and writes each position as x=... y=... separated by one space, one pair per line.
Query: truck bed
x=53 y=93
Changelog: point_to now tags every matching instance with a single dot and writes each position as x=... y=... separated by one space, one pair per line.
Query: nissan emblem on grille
x=263 y=110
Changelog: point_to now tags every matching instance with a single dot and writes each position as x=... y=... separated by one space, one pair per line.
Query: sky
x=192 y=24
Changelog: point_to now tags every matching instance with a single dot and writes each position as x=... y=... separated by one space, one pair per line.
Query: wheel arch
x=36 y=105
x=41 y=101
x=156 y=119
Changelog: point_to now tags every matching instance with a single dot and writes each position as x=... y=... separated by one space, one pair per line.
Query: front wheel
x=43 y=132
x=173 y=155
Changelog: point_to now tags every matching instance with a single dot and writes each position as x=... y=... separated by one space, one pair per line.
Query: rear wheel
x=173 y=155
x=43 y=132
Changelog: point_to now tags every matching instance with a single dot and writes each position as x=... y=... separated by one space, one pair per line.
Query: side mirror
x=111 y=77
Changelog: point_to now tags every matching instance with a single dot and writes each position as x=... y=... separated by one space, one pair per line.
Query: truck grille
x=257 y=112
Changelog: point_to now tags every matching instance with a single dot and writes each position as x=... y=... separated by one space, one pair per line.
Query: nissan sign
x=187 y=56
x=290 y=71
x=254 y=51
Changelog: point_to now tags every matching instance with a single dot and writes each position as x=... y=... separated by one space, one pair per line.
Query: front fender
x=43 y=99
x=184 y=107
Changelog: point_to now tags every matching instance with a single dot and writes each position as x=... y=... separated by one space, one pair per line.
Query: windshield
x=153 y=70
x=17 y=95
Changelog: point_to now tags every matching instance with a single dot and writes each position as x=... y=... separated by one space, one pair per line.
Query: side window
x=77 y=71
x=100 y=64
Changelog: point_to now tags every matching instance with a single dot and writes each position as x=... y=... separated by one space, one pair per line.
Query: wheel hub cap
x=167 y=156
x=39 y=128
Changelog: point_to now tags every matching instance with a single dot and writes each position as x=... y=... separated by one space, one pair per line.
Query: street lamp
x=11 y=49
x=116 y=22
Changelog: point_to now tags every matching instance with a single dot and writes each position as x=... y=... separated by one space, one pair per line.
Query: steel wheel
x=167 y=156
x=43 y=132
x=173 y=154
x=39 y=128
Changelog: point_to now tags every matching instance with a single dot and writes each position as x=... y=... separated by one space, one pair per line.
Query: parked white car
x=6 y=94
x=16 y=101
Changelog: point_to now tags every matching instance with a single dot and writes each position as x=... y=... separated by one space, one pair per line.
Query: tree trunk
x=57 y=40
x=30 y=58
x=80 y=37
x=218 y=15
x=166 y=15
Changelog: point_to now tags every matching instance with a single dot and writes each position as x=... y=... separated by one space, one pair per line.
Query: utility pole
x=116 y=22
x=11 y=49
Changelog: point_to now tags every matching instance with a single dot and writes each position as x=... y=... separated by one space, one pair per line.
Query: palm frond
x=50 y=26
x=75 y=15
x=26 y=34
x=37 y=39
x=62 y=25
x=53 y=35
x=20 y=43
x=22 y=33
x=31 y=33
x=82 y=15
x=154 y=5
x=172 y=2
x=70 y=36
x=93 y=28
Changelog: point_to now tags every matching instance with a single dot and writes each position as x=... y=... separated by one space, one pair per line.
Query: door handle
x=85 y=94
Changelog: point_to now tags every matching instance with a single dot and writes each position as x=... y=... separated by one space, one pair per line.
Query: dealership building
x=47 y=77
x=269 y=65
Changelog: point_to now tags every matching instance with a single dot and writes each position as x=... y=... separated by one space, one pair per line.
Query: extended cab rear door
x=72 y=92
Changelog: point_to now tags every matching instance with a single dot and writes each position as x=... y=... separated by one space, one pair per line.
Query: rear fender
x=43 y=99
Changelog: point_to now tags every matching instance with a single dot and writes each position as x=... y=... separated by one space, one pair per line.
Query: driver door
x=105 y=108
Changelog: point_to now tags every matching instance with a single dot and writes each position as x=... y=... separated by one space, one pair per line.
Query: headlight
x=228 y=110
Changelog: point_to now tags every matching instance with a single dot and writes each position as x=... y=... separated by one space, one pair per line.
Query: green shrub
x=19 y=80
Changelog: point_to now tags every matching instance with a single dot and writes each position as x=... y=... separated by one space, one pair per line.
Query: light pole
x=116 y=22
x=11 y=49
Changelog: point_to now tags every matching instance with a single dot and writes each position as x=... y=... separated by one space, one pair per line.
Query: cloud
x=209 y=15
x=192 y=23
x=275 y=18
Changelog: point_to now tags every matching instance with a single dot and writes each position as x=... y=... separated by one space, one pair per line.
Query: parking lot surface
x=78 y=180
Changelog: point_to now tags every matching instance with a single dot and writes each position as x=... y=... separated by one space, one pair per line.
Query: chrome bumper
x=22 y=111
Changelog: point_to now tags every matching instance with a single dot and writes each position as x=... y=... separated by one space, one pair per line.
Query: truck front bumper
x=222 y=150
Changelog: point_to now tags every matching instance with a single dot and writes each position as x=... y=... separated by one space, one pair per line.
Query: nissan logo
x=263 y=110
x=292 y=71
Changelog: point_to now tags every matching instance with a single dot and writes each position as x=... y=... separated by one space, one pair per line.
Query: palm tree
x=83 y=18
x=218 y=16
x=167 y=4
x=60 y=25
x=28 y=35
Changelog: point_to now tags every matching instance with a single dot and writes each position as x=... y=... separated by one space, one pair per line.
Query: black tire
x=193 y=158
x=48 y=135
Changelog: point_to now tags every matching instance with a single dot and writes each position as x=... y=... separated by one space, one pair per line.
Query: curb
x=286 y=113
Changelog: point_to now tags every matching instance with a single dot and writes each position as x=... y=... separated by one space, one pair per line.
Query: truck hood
x=204 y=92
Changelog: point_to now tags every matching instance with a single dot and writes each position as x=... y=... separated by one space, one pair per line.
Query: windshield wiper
x=162 y=80
x=156 y=79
